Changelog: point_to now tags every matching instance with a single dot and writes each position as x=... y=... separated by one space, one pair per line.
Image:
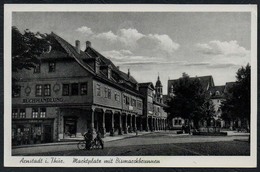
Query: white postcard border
x=165 y=161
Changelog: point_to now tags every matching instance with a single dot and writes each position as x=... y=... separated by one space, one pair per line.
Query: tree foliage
x=26 y=48
x=189 y=100
x=237 y=104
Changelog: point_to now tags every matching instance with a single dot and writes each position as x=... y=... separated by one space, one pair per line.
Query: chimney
x=128 y=74
x=77 y=46
x=88 y=44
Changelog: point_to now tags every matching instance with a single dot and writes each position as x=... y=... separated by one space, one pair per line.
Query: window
x=126 y=100
x=17 y=91
x=74 y=89
x=109 y=94
x=150 y=106
x=52 y=66
x=139 y=105
x=22 y=113
x=34 y=113
x=134 y=102
x=38 y=90
x=65 y=89
x=98 y=90
x=37 y=68
x=47 y=90
x=106 y=92
x=14 y=113
x=42 y=112
x=117 y=96
x=84 y=88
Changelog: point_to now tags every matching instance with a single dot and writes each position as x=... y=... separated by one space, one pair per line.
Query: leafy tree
x=26 y=48
x=237 y=104
x=207 y=111
x=189 y=97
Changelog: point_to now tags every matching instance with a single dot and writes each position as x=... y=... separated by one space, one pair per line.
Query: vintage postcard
x=130 y=85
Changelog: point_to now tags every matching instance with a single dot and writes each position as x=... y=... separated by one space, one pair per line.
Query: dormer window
x=52 y=66
x=217 y=93
x=37 y=68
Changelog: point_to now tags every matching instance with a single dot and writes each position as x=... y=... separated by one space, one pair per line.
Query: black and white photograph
x=130 y=85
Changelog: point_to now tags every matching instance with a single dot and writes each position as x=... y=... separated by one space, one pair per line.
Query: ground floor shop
x=32 y=131
x=60 y=123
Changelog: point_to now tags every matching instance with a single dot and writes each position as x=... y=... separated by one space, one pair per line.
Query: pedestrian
x=136 y=132
x=88 y=138
x=99 y=139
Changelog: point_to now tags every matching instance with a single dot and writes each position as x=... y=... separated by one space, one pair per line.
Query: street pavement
x=157 y=143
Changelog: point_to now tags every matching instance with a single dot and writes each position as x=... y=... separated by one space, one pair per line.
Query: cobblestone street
x=161 y=143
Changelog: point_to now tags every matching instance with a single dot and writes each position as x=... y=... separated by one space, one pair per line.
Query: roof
x=146 y=84
x=217 y=91
x=206 y=82
x=158 y=83
x=61 y=49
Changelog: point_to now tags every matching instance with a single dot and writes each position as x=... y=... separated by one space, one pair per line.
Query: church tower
x=158 y=90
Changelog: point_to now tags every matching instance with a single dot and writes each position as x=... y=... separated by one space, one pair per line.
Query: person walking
x=88 y=138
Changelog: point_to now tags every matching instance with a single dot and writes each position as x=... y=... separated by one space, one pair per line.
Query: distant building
x=72 y=91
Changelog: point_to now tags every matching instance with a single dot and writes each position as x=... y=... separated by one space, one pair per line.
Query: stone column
x=125 y=124
x=103 y=127
x=147 y=124
x=112 y=124
x=134 y=127
x=131 y=122
x=92 y=113
x=120 y=125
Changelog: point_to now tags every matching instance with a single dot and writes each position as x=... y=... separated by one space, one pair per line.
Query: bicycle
x=95 y=144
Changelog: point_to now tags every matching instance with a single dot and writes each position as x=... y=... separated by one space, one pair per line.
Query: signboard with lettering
x=43 y=100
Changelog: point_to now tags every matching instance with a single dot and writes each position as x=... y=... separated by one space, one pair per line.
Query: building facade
x=72 y=91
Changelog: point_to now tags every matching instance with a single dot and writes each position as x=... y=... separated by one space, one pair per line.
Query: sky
x=155 y=43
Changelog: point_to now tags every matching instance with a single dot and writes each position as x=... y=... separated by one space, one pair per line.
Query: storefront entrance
x=70 y=126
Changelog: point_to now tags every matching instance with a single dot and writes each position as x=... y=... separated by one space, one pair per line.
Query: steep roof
x=206 y=82
x=91 y=51
x=63 y=49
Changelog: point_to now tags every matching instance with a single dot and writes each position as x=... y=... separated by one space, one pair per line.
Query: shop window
x=17 y=91
x=34 y=113
x=52 y=66
x=74 y=89
x=65 y=89
x=47 y=90
x=22 y=113
x=109 y=93
x=15 y=113
x=42 y=112
x=38 y=91
x=84 y=88
x=98 y=90
x=37 y=68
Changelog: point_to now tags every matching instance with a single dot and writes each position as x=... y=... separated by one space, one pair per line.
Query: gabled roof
x=206 y=82
x=69 y=51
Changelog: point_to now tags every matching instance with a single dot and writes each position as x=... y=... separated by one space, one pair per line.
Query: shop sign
x=43 y=100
